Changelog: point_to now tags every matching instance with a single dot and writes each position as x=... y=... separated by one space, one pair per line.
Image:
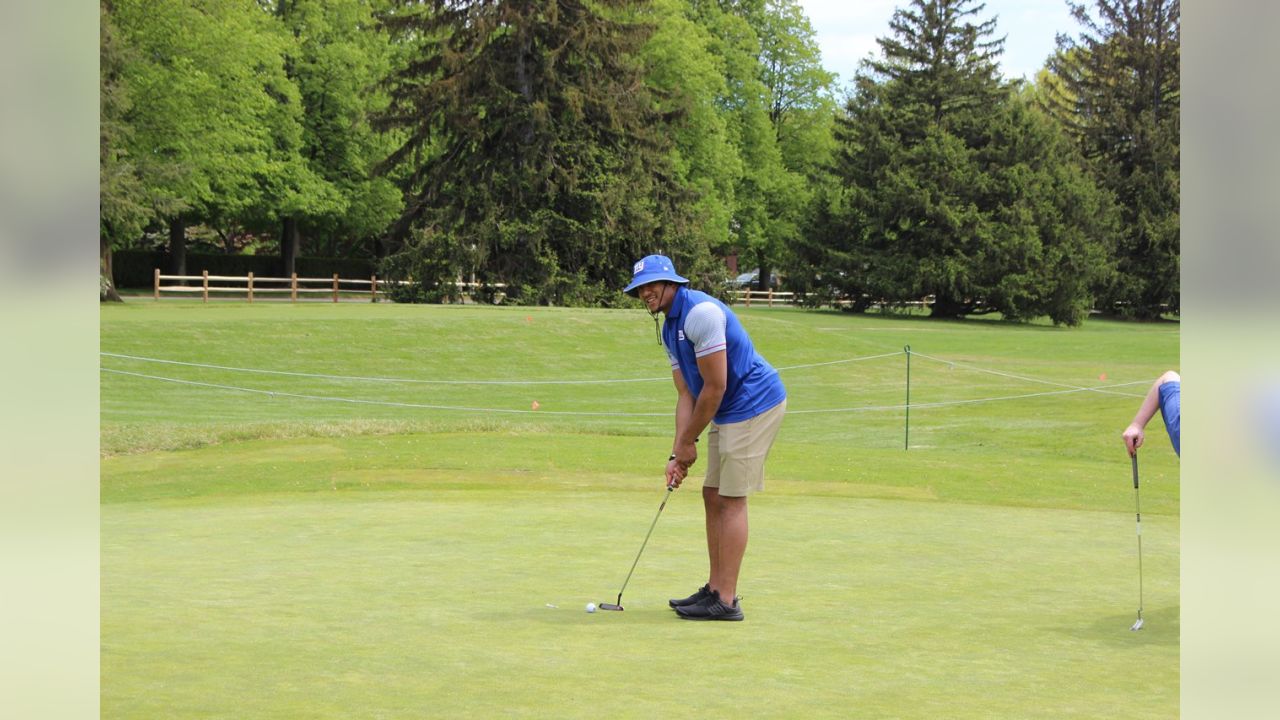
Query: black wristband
x=673 y=457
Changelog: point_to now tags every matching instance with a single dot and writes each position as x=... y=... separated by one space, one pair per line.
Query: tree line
x=546 y=144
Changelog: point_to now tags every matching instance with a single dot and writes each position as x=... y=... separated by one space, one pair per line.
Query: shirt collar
x=677 y=303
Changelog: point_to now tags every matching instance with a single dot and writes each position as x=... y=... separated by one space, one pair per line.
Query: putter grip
x=1134 y=458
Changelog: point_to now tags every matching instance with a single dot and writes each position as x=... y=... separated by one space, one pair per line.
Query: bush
x=135 y=269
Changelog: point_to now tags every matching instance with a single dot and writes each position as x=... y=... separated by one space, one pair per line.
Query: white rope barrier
x=1024 y=378
x=352 y=378
x=387 y=403
x=841 y=362
x=945 y=403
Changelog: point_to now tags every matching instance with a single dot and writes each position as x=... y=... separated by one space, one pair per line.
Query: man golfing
x=725 y=387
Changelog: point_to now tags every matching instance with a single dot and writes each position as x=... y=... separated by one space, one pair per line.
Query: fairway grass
x=279 y=557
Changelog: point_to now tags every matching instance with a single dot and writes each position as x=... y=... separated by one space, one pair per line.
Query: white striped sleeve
x=705 y=327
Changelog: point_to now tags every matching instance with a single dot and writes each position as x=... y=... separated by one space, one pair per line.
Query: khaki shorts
x=736 y=452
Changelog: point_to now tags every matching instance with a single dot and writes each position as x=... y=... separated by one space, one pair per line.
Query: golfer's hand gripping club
x=676 y=470
x=676 y=473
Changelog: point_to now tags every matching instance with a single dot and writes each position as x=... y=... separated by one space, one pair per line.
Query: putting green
x=429 y=593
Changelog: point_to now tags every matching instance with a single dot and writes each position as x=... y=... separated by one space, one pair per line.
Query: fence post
x=906 y=433
x=748 y=293
x=373 y=288
x=335 y=287
x=205 y=285
x=770 y=297
x=250 y=288
x=293 y=288
x=157 y=276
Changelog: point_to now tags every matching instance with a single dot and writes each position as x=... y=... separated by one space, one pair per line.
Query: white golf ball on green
x=591 y=607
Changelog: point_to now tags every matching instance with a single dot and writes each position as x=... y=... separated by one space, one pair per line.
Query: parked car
x=747 y=280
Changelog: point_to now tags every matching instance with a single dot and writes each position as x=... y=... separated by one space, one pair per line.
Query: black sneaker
x=711 y=608
x=693 y=599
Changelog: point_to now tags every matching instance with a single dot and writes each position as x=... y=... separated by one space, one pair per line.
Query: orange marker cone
x=535 y=404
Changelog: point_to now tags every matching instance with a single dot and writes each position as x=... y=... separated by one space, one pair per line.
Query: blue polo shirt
x=752 y=386
x=1171 y=411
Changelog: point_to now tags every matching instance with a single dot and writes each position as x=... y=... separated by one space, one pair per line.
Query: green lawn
x=271 y=555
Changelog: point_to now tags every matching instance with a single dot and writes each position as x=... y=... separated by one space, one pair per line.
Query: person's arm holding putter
x=693 y=416
x=1165 y=395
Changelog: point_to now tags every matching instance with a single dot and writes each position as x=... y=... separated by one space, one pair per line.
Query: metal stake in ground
x=618 y=605
x=1137 y=507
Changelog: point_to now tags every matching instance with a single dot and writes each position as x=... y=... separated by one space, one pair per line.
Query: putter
x=1137 y=506
x=618 y=605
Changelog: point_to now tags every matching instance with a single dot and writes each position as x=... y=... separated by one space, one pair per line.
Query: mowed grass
x=275 y=556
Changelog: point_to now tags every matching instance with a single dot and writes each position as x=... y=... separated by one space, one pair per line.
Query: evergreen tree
x=1119 y=94
x=534 y=152
x=939 y=64
x=956 y=187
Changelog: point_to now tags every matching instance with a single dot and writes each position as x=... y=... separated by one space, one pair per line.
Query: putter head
x=609 y=606
x=1137 y=625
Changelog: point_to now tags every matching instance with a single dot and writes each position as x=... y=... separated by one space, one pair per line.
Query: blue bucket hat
x=652 y=269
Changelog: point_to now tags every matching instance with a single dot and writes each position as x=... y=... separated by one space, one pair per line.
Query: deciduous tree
x=122 y=202
x=337 y=58
x=216 y=120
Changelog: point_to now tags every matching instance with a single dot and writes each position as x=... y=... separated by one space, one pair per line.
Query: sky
x=846 y=31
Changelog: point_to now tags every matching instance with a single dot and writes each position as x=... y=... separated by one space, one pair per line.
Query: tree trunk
x=108 y=290
x=289 y=241
x=948 y=307
x=178 y=247
x=764 y=280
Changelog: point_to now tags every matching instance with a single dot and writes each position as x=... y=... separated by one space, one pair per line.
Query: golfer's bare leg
x=732 y=538
x=711 y=506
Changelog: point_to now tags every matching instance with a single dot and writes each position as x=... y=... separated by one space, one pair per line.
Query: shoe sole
x=729 y=618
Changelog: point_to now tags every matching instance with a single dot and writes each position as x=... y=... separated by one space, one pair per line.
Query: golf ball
x=591 y=607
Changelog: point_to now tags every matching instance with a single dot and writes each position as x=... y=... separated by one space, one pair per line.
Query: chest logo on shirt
x=680 y=335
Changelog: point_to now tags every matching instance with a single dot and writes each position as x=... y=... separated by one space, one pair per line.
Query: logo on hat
x=652 y=269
